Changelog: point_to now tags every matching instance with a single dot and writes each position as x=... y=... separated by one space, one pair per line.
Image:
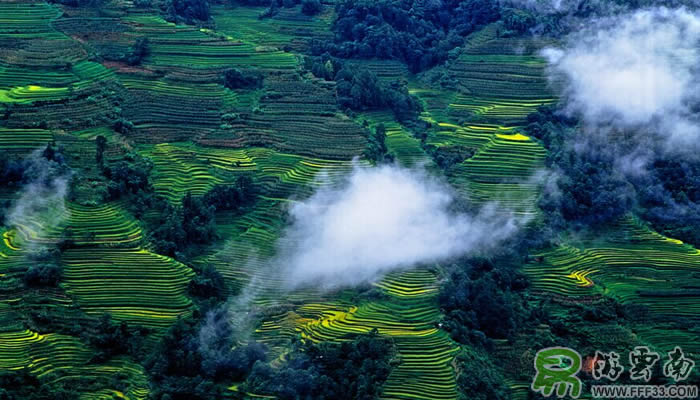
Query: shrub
x=234 y=78
x=43 y=275
x=311 y=7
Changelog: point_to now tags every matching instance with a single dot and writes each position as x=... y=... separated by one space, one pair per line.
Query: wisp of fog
x=636 y=70
x=42 y=198
x=382 y=219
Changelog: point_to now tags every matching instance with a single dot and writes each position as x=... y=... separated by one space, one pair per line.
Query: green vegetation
x=171 y=138
x=354 y=369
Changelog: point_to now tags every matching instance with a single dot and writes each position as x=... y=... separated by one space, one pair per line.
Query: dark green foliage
x=43 y=275
x=447 y=157
x=359 y=89
x=193 y=223
x=669 y=197
x=188 y=11
x=478 y=378
x=232 y=197
x=100 y=144
x=517 y=22
x=45 y=268
x=123 y=126
x=132 y=56
x=376 y=146
x=235 y=78
x=4 y=206
x=311 y=7
x=129 y=176
x=21 y=385
x=208 y=283
x=479 y=301
x=355 y=369
x=178 y=227
x=138 y=51
x=12 y=172
x=111 y=339
x=324 y=69
x=592 y=188
x=419 y=33
x=183 y=368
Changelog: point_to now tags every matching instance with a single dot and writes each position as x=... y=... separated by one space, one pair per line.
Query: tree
x=190 y=11
x=355 y=369
x=419 y=33
x=234 y=78
x=376 y=145
x=139 y=50
x=311 y=7
x=43 y=275
x=100 y=144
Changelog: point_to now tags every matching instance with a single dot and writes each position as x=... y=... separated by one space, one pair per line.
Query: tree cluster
x=350 y=370
x=416 y=32
x=481 y=302
x=593 y=187
x=133 y=55
x=376 y=150
x=359 y=89
x=181 y=370
x=111 y=339
x=22 y=385
x=128 y=176
x=235 y=78
x=193 y=223
x=188 y=11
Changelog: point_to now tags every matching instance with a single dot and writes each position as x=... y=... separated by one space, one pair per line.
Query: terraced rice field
x=500 y=80
x=299 y=117
x=633 y=264
x=291 y=137
x=29 y=24
x=408 y=316
x=288 y=28
x=133 y=285
x=22 y=141
x=35 y=92
x=503 y=169
x=163 y=111
x=68 y=359
x=177 y=45
x=106 y=224
x=399 y=140
x=181 y=167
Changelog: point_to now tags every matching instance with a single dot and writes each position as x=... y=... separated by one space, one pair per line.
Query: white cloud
x=382 y=219
x=637 y=70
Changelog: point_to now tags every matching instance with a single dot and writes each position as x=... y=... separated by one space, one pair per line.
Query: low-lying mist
x=41 y=199
x=636 y=71
x=379 y=220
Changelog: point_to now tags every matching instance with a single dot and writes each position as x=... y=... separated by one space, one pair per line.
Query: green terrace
x=67 y=359
x=29 y=24
x=182 y=167
x=289 y=27
x=179 y=45
x=163 y=111
x=632 y=263
x=133 y=285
